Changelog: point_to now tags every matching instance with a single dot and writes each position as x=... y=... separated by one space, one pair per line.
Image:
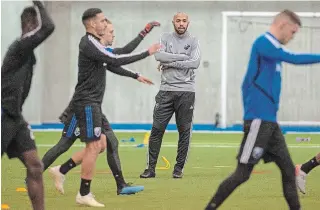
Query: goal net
x=300 y=98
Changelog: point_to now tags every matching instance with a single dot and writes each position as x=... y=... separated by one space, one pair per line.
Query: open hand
x=144 y=80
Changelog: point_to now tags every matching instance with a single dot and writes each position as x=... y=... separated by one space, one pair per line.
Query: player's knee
x=241 y=177
x=35 y=169
x=289 y=174
x=102 y=150
x=64 y=144
x=184 y=127
x=156 y=134
x=112 y=139
x=158 y=127
x=93 y=147
x=112 y=142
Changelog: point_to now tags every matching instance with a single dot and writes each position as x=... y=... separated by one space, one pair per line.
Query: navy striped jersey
x=91 y=83
x=120 y=70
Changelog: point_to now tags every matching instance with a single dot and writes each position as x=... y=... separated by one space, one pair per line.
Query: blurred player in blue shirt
x=261 y=90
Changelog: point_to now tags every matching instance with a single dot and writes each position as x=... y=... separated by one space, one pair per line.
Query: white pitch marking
x=196 y=145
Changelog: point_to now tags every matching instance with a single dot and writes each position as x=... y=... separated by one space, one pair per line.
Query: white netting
x=300 y=99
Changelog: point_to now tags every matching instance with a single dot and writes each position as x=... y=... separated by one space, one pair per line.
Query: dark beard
x=180 y=32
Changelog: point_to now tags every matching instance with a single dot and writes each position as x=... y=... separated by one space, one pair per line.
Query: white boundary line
x=213 y=167
x=174 y=131
x=231 y=145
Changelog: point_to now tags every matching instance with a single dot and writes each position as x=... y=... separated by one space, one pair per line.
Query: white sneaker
x=301 y=179
x=88 y=200
x=58 y=178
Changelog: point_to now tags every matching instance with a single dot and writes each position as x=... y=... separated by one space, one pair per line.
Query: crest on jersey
x=257 y=152
x=77 y=131
x=97 y=131
x=187 y=46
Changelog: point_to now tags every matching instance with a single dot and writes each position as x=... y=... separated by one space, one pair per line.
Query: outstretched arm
x=131 y=46
x=268 y=50
x=119 y=70
x=122 y=71
x=95 y=50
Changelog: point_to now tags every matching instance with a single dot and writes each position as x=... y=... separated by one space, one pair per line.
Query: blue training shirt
x=261 y=87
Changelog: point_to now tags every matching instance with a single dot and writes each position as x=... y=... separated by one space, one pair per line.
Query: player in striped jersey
x=71 y=131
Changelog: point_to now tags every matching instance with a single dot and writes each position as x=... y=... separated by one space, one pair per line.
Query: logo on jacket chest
x=186 y=47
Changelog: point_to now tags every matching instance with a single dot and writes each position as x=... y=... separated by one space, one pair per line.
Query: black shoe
x=148 y=173
x=177 y=174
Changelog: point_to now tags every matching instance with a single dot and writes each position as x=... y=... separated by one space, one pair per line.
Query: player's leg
x=69 y=135
x=303 y=170
x=90 y=122
x=61 y=147
x=58 y=172
x=34 y=177
x=184 y=107
x=77 y=158
x=17 y=141
x=162 y=114
x=311 y=164
x=25 y=148
x=281 y=156
x=255 y=139
x=113 y=158
x=114 y=163
x=225 y=189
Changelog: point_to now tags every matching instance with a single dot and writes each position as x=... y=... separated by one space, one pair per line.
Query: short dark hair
x=292 y=16
x=28 y=16
x=90 y=13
